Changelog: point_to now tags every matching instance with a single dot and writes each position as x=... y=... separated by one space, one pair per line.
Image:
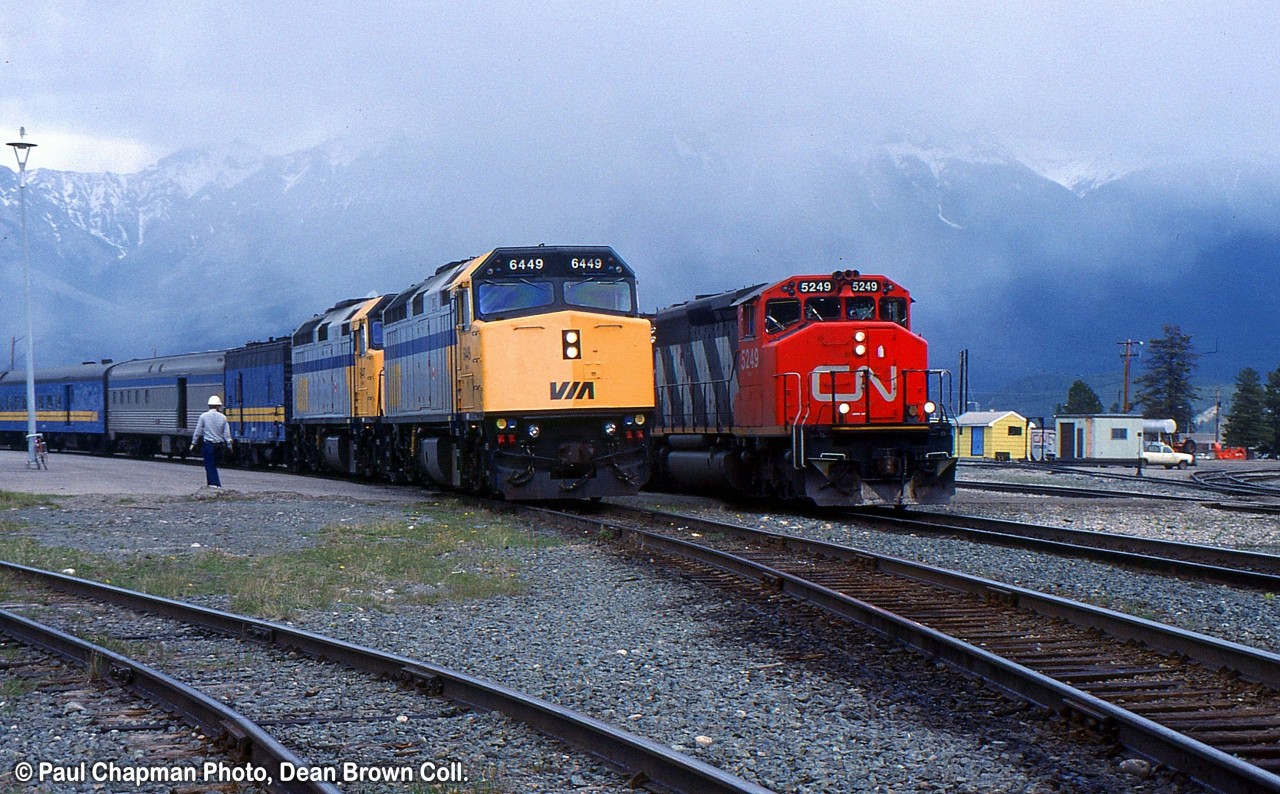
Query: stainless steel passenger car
x=153 y=404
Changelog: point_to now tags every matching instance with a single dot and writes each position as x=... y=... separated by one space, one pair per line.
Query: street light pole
x=22 y=150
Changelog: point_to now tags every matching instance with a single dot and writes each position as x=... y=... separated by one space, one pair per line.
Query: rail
x=648 y=763
x=1059 y=690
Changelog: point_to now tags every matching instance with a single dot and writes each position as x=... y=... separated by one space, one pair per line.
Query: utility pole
x=1128 y=355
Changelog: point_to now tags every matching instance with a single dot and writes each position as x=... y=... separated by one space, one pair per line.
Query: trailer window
x=780 y=314
x=614 y=295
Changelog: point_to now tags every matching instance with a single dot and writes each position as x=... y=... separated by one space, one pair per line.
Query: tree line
x=1165 y=391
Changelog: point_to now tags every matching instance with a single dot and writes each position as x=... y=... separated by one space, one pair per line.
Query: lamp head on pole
x=22 y=149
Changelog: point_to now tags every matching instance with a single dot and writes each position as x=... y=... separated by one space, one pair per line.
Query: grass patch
x=12 y=686
x=432 y=555
x=13 y=500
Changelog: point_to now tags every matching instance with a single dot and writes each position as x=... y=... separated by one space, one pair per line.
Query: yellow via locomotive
x=525 y=372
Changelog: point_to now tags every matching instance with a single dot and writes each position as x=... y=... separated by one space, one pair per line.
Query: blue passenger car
x=259 y=399
x=70 y=406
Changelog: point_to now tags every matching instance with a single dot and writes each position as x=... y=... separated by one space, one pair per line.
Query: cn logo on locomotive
x=573 y=390
x=867 y=375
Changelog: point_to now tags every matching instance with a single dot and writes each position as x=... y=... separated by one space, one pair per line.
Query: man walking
x=212 y=432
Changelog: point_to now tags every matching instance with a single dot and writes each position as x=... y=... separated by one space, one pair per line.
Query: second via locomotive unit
x=524 y=372
x=813 y=388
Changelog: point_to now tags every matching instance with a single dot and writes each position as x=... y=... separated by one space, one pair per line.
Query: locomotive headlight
x=860 y=350
x=860 y=336
x=571 y=344
x=534 y=431
x=930 y=407
x=611 y=428
x=844 y=409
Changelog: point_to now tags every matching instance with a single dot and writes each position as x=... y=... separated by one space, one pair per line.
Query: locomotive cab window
x=462 y=308
x=595 y=294
x=749 y=319
x=822 y=309
x=894 y=310
x=780 y=314
x=508 y=296
x=860 y=307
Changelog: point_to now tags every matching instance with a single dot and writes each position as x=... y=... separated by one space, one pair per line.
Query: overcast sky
x=117 y=85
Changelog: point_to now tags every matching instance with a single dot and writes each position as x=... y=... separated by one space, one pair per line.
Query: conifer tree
x=1165 y=390
x=1246 y=424
x=1081 y=399
x=1271 y=409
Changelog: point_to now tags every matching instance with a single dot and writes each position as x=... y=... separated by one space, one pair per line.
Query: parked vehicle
x=1158 y=454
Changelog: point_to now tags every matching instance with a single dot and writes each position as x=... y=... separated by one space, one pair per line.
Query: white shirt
x=212 y=427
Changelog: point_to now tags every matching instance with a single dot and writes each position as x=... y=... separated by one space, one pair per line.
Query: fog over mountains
x=1036 y=264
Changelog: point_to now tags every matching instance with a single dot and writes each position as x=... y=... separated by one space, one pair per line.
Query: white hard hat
x=214 y=402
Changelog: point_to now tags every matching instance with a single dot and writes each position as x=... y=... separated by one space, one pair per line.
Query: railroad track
x=633 y=761
x=120 y=725
x=1234 y=567
x=1207 y=707
x=1073 y=491
x=1257 y=482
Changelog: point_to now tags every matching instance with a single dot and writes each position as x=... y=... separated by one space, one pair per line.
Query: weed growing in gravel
x=11 y=686
x=12 y=500
x=428 y=557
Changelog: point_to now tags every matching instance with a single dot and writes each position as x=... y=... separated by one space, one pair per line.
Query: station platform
x=74 y=474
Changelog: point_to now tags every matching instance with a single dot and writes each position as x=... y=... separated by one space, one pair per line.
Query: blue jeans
x=210 y=451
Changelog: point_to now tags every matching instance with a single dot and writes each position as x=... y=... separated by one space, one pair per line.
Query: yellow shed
x=996 y=435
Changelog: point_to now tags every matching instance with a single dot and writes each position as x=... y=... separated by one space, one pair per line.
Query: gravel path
x=783 y=697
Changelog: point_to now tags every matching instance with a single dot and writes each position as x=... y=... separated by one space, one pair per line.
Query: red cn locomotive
x=812 y=388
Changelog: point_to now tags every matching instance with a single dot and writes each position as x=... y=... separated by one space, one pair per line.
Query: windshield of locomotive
x=501 y=297
x=610 y=295
x=505 y=298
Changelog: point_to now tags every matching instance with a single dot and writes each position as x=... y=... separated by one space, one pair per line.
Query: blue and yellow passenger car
x=70 y=406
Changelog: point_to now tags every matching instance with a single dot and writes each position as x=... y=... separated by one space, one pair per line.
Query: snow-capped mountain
x=1033 y=261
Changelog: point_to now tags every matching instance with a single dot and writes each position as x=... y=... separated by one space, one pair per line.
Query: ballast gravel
x=781 y=696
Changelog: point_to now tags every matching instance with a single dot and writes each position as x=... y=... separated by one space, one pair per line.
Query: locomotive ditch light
x=534 y=431
x=930 y=407
x=570 y=344
x=611 y=428
x=845 y=409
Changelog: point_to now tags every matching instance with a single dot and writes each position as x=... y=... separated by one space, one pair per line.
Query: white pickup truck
x=1158 y=454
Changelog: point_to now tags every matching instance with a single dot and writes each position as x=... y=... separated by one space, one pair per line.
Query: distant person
x=213 y=431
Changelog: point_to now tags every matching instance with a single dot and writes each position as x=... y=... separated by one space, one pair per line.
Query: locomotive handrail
x=797 y=424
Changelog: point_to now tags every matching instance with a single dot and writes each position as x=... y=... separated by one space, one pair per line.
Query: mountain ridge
x=1029 y=268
